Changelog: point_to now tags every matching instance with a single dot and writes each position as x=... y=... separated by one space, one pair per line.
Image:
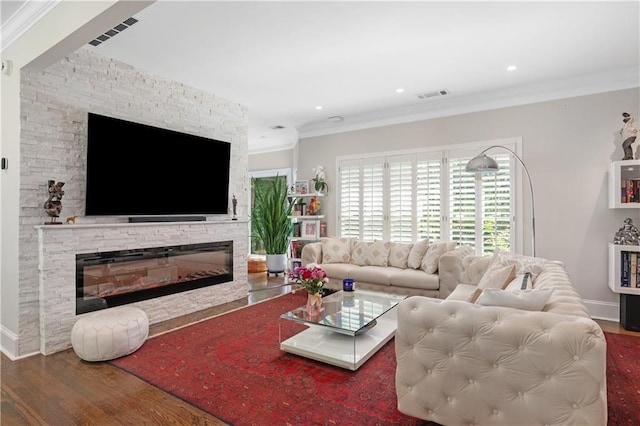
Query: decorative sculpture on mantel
x=629 y=133
x=234 y=201
x=53 y=205
x=628 y=234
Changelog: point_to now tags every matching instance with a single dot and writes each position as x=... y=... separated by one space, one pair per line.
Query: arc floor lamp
x=484 y=164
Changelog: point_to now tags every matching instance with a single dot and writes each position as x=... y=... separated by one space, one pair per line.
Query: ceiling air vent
x=113 y=32
x=434 y=94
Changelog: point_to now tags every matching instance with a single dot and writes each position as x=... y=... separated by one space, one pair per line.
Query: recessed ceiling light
x=399 y=90
x=319 y=107
x=512 y=68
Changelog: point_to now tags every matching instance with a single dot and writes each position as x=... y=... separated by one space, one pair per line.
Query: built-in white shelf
x=615 y=268
x=622 y=172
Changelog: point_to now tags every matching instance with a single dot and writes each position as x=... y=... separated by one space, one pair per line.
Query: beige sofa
x=464 y=363
x=408 y=269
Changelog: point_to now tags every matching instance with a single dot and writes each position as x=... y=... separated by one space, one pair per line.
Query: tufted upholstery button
x=495 y=365
x=410 y=387
x=428 y=371
x=495 y=412
x=430 y=330
x=575 y=406
x=547 y=377
x=576 y=357
x=520 y=394
x=496 y=322
x=450 y=354
x=453 y=315
x=470 y=381
x=430 y=411
x=520 y=348
x=449 y=399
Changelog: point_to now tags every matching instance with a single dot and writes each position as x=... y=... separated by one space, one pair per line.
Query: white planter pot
x=276 y=263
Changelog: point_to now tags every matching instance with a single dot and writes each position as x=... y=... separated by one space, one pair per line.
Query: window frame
x=446 y=152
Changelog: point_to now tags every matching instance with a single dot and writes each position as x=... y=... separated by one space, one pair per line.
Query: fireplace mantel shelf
x=127 y=224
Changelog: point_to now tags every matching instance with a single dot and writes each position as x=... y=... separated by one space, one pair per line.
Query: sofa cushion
x=370 y=253
x=411 y=278
x=372 y=274
x=338 y=271
x=462 y=292
x=498 y=276
x=523 y=263
x=430 y=260
x=417 y=253
x=336 y=250
x=528 y=300
x=399 y=255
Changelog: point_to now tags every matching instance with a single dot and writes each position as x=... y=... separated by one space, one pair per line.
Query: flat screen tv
x=140 y=170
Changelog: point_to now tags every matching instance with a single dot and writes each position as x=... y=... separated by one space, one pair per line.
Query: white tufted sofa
x=465 y=364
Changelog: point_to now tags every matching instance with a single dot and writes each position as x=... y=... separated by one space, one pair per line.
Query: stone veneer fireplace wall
x=58 y=246
x=54 y=107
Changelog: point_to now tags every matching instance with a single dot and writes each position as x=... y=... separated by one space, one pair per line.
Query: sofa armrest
x=460 y=363
x=312 y=253
x=450 y=269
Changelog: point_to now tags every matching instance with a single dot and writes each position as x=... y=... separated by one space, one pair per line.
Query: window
x=428 y=194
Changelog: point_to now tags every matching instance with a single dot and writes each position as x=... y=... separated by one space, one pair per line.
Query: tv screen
x=139 y=170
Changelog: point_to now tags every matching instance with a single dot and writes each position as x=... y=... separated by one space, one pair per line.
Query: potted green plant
x=271 y=222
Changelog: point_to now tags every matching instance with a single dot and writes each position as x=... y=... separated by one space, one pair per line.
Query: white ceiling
x=282 y=59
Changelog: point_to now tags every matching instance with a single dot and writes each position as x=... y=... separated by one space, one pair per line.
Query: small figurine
x=314 y=206
x=53 y=205
x=628 y=234
x=71 y=220
x=629 y=134
x=234 y=201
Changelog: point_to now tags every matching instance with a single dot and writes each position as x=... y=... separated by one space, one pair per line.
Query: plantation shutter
x=349 y=178
x=464 y=214
x=497 y=206
x=401 y=197
x=429 y=196
x=372 y=224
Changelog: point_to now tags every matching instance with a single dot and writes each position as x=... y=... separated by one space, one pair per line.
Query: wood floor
x=61 y=389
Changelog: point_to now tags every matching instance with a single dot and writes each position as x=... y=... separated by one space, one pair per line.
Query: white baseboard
x=609 y=311
x=9 y=345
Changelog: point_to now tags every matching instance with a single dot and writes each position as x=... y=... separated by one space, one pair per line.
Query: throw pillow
x=529 y=300
x=399 y=255
x=418 y=251
x=336 y=250
x=524 y=264
x=370 y=254
x=497 y=276
x=521 y=282
x=430 y=261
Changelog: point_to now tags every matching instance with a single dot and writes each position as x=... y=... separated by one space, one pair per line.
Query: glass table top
x=347 y=312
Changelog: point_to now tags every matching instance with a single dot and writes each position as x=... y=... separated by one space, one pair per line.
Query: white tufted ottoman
x=110 y=333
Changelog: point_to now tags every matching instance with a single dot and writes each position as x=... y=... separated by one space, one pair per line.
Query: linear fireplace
x=114 y=278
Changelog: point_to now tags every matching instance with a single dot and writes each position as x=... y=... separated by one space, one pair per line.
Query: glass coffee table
x=351 y=328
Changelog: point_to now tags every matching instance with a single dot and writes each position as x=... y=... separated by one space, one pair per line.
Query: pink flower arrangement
x=311 y=277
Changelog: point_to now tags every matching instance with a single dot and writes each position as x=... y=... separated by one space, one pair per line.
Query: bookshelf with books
x=624 y=268
x=624 y=184
x=307 y=225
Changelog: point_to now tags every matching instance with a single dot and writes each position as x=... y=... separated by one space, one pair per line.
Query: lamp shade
x=482 y=164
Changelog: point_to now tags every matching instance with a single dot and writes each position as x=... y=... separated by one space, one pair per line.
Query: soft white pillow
x=399 y=255
x=521 y=282
x=418 y=251
x=370 y=253
x=534 y=265
x=497 y=276
x=529 y=300
x=430 y=261
x=336 y=250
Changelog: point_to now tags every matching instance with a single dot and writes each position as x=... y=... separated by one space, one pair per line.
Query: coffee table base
x=349 y=352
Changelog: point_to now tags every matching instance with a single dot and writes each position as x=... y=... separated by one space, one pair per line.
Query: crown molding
x=22 y=19
x=510 y=97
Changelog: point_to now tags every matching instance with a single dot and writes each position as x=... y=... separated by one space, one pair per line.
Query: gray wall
x=568 y=145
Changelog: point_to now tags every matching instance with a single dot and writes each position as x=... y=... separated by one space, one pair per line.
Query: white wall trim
x=8 y=342
x=24 y=18
x=609 y=311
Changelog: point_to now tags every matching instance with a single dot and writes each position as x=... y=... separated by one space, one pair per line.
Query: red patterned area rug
x=232 y=367
x=623 y=379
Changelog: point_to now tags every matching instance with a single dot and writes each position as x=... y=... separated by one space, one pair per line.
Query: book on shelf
x=296 y=249
x=296 y=229
x=323 y=229
x=629 y=269
x=630 y=191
